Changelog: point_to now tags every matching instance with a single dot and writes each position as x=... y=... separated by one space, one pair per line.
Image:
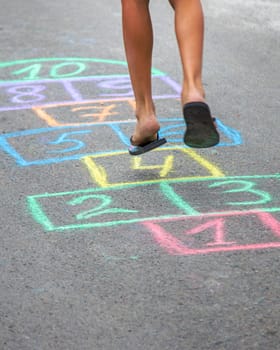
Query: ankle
x=193 y=95
x=145 y=111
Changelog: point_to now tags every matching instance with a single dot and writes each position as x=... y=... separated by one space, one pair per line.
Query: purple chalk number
x=119 y=87
x=27 y=93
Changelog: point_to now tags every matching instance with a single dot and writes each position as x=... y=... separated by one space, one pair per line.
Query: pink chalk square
x=214 y=233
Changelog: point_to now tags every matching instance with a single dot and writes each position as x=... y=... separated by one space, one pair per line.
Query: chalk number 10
x=33 y=71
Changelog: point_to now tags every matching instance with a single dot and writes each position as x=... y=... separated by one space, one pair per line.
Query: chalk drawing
x=98 y=210
x=79 y=113
x=69 y=78
x=77 y=105
x=88 y=145
x=169 y=168
x=244 y=187
x=26 y=93
x=165 y=168
x=80 y=215
x=57 y=68
x=209 y=233
x=96 y=206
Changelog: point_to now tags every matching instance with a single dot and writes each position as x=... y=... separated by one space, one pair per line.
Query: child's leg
x=138 y=42
x=189 y=26
x=201 y=131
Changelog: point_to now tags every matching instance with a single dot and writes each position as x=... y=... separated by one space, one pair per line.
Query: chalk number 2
x=102 y=208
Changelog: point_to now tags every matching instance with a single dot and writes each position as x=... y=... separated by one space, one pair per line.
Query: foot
x=145 y=131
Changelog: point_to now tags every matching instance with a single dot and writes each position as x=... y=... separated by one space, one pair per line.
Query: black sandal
x=145 y=147
x=201 y=131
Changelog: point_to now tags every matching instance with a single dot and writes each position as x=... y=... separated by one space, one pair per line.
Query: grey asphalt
x=100 y=252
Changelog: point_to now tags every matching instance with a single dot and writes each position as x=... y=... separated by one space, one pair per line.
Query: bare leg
x=138 y=42
x=189 y=27
x=201 y=131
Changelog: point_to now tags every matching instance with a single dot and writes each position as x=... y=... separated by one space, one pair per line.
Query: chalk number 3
x=246 y=187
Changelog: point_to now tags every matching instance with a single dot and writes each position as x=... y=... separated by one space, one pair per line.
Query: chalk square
x=228 y=193
x=87 y=113
x=173 y=129
x=120 y=87
x=25 y=95
x=216 y=233
x=93 y=208
x=57 y=144
x=104 y=88
x=162 y=165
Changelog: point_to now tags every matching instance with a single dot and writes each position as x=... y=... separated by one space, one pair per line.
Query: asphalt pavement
x=177 y=249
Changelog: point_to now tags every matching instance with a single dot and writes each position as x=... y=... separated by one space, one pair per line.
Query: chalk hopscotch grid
x=76 y=97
